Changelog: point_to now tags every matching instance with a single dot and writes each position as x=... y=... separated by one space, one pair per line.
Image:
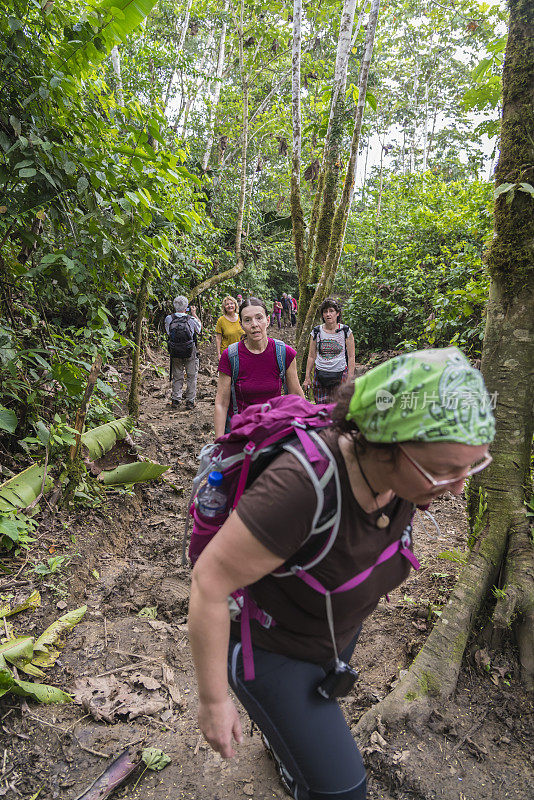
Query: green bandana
x=426 y=396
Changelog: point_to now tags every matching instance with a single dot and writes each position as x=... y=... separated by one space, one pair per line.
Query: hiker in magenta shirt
x=259 y=376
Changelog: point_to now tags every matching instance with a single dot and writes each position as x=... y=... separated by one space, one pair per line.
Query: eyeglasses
x=478 y=466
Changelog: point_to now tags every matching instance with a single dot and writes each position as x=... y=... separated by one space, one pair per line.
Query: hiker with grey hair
x=182 y=329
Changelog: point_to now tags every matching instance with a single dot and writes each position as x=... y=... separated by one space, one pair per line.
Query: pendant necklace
x=383 y=520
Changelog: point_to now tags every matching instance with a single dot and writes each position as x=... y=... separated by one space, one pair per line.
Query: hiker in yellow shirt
x=228 y=328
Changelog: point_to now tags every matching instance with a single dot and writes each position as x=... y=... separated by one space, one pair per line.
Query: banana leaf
x=19 y=652
x=37 y=691
x=22 y=489
x=45 y=658
x=118 y=18
x=33 y=601
x=132 y=473
x=57 y=629
x=99 y=441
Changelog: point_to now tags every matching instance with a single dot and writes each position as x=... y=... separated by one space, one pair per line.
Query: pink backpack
x=260 y=433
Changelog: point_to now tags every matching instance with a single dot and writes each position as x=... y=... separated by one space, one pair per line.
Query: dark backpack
x=181 y=337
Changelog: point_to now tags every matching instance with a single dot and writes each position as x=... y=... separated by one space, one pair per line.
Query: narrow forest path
x=131 y=654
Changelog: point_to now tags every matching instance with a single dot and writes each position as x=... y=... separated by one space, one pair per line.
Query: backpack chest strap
x=402 y=545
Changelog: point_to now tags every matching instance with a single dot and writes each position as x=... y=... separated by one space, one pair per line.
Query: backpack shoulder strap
x=346 y=330
x=281 y=350
x=315 y=331
x=233 y=357
x=324 y=475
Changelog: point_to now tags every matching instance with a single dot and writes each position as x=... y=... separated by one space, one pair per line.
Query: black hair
x=347 y=427
x=330 y=303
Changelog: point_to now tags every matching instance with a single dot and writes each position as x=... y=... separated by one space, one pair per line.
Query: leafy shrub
x=427 y=284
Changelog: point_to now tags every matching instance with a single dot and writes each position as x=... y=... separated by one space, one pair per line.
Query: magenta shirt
x=259 y=378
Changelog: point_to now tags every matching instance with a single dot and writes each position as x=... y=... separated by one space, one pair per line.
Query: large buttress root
x=516 y=605
x=434 y=672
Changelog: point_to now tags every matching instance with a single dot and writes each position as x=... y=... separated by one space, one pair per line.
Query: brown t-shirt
x=278 y=509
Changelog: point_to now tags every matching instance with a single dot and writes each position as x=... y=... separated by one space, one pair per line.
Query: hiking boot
x=176 y=403
x=189 y=404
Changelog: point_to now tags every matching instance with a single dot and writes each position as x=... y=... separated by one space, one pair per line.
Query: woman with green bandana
x=404 y=433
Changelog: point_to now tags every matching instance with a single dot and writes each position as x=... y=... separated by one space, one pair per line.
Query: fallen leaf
x=105 y=699
x=378 y=740
x=148 y=611
x=155 y=758
x=170 y=685
x=147 y=681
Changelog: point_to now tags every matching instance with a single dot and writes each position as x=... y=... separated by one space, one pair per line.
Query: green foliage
x=415 y=273
x=16 y=530
x=90 y=194
x=53 y=564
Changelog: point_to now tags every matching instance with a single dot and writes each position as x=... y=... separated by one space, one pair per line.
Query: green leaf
x=40 y=692
x=155 y=759
x=82 y=184
x=132 y=473
x=59 y=628
x=8 y=420
x=10 y=529
x=99 y=441
x=504 y=187
x=526 y=187
x=43 y=434
x=119 y=19
x=22 y=489
x=371 y=99
x=27 y=172
x=14 y=23
x=33 y=601
x=18 y=651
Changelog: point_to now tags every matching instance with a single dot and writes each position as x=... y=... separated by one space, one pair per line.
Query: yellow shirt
x=229 y=331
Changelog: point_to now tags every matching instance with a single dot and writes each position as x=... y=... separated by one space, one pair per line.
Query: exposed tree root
x=518 y=600
x=434 y=672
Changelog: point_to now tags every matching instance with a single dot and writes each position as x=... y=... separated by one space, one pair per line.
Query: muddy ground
x=130 y=664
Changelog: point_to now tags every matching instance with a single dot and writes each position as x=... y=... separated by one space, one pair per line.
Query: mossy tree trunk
x=501 y=554
x=140 y=304
x=329 y=215
x=323 y=210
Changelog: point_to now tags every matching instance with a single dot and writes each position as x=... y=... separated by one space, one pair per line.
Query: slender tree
x=216 y=91
x=327 y=230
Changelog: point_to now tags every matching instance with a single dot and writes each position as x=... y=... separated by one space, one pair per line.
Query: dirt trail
x=126 y=558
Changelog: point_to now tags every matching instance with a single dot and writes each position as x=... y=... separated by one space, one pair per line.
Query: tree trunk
x=181 y=42
x=425 y=130
x=323 y=208
x=216 y=93
x=379 y=203
x=508 y=355
x=297 y=214
x=331 y=165
x=365 y=168
x=140 y=304
x=503 y=547
x=116 y=61
x=195 y=90
x=244 y=144
x=339 y=223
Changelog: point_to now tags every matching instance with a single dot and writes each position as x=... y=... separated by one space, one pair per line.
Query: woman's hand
x=221 y=726
x=307 y=382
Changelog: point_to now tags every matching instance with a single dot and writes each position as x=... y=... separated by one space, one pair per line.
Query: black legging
x=309 y=734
